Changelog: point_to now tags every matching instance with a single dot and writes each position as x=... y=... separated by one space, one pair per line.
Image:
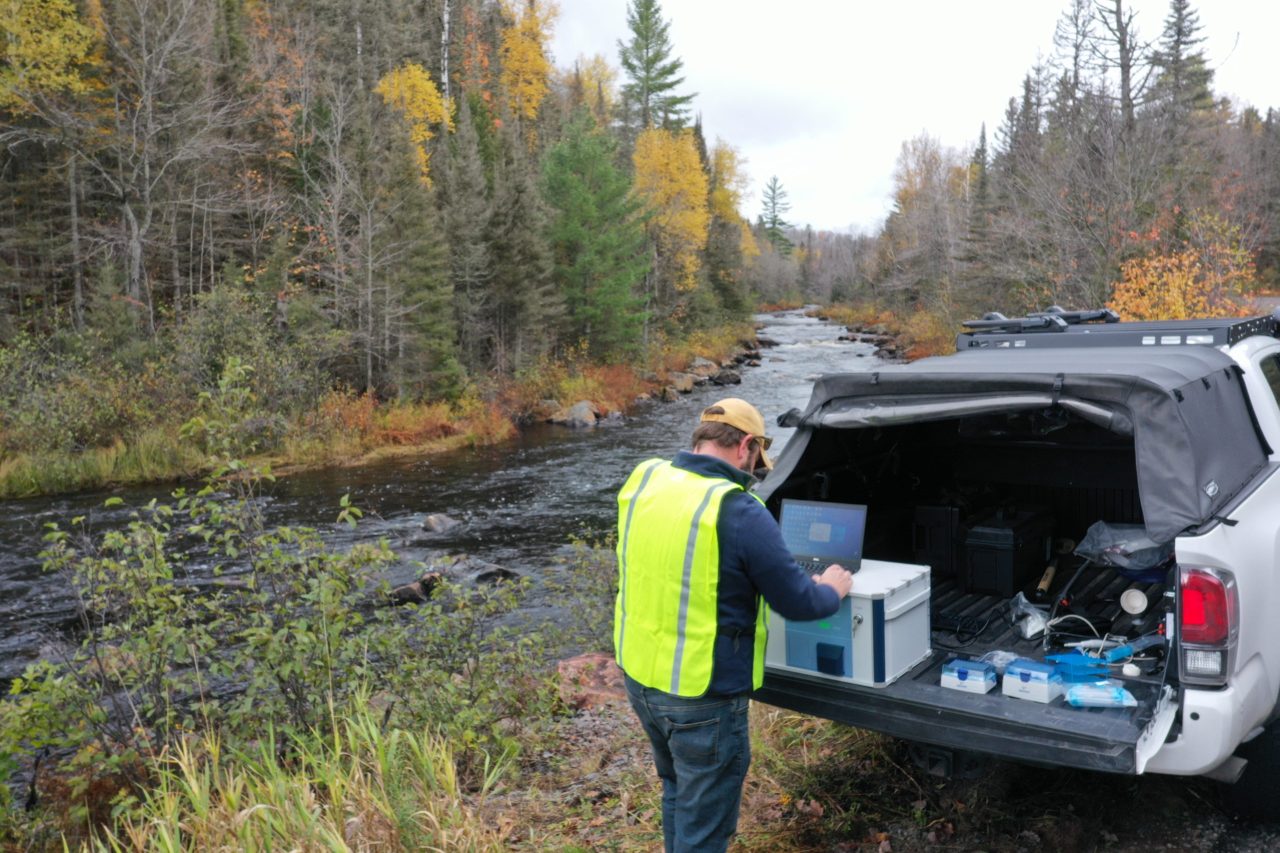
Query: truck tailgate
x=917 y=708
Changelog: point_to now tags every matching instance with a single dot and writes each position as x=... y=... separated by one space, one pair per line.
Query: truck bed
x=916 y=707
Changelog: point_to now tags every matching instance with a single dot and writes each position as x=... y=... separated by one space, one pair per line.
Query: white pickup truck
x=991 y=464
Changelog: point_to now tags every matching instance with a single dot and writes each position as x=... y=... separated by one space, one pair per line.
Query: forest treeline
x=409 y=199
x=1118 y=176
x=406 y=200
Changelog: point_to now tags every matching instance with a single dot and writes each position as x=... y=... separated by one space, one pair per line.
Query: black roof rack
x=1055 y=327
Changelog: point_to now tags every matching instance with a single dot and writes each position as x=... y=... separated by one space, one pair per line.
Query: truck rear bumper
x=1214 y=722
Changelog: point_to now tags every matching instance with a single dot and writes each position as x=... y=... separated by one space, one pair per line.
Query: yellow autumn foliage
x=43 y=43
x=728 y=185
x=1211 y=276
x=525 y=68
x=411 y=91
x=672 y=187
x=598 y=81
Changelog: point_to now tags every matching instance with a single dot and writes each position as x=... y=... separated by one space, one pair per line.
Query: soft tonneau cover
x=1196 y=441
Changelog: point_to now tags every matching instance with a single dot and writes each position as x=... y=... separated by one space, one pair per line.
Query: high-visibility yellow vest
x=664 y=629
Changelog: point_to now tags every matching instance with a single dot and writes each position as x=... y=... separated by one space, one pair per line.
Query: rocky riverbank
x=666 y=387
x=888 y=343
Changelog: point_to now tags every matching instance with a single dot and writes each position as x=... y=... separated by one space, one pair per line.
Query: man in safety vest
x=699 y=557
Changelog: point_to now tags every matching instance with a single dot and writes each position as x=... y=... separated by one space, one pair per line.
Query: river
x=519 y=502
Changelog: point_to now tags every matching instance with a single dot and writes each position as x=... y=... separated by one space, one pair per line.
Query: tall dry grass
x=353 y=787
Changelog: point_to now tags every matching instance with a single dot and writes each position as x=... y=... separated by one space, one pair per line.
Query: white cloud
x=822 y=93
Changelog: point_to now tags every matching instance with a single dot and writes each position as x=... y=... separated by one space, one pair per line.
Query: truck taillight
x=1206 y=616
x=1208 y=619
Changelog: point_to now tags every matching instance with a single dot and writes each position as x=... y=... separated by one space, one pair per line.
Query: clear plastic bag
x=1101 y=694
x=1124 y=546
x=1030 y=620
x=999 y=659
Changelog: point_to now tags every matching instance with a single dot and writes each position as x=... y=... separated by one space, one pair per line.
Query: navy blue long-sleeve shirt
x=753 y=561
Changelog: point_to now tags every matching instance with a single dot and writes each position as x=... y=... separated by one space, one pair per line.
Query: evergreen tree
x=771 y=218
x=980 y=192
x=724 y=261
x=653 y=74
x=1183 y=75
x=526 y=309
x=424 y=362
x=597 y=241
x=1182 y=101
x=467 y=214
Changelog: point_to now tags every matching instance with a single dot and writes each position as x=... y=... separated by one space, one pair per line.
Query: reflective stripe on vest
x=669 y=571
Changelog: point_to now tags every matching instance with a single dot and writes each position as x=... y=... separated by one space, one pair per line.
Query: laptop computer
x=818 y=533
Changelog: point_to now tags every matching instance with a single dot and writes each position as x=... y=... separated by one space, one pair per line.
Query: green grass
x=355 y=786
x=155 y=455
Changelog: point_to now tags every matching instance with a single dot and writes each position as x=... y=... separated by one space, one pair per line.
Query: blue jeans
x=701 y=748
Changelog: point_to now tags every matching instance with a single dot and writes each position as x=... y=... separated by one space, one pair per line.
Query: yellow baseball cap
x=742 y=415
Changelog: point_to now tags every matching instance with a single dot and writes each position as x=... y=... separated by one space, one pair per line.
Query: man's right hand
x=837 y=577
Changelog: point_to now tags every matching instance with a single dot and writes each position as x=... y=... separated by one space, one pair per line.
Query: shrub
x=58 y=400
x=418 y=423
x=588 y=579
x=278 y=633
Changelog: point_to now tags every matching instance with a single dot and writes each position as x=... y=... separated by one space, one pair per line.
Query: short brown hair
x=717 y=433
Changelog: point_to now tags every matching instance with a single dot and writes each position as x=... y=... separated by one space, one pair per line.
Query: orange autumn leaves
x=1208 y=274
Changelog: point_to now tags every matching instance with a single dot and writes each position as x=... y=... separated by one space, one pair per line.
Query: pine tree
x=421 y=329
x=771 y=217
x=653 y=74
x=527 y=310
x=1183 y=75
x=467 y=214
x=597 y=241
x=1183 y=100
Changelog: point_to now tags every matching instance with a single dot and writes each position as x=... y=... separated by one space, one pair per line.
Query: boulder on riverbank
x=683 y=382
x=727 y=377
x=581 y=415
x=703 y=367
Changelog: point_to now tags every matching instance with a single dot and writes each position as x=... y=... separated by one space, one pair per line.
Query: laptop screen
x=818 y=533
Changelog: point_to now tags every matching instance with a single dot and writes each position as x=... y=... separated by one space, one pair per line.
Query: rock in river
x=438 y=522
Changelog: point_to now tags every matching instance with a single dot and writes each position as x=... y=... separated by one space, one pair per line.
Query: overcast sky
x=822 y=93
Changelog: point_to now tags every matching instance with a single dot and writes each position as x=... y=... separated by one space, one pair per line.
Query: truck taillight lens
x=1206 y=616
x=1208 y=619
